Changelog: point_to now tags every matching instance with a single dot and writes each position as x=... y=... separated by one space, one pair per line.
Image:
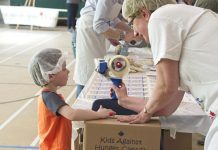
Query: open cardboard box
x=109 y=134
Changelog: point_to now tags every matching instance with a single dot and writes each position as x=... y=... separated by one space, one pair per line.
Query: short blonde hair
x=131 y=7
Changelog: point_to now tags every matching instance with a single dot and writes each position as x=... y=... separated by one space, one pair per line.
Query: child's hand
x=105 y=113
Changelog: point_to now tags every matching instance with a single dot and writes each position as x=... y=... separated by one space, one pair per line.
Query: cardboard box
x=109 y=134
x=183 y=141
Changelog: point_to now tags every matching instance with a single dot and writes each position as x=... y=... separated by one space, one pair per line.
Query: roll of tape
x=119 y=66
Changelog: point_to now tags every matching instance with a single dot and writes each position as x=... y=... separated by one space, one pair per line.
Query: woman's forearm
x=133 y=103
x=158 y=100
x=172 y=106
x=123 y=26
x=165 y=96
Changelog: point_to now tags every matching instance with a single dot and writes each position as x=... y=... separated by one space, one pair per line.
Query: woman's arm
x=165 y=96
x=102 y=22
x=133 y=103
x=123 y=26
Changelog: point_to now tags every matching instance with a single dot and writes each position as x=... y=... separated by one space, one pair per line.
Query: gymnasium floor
x=18 y=122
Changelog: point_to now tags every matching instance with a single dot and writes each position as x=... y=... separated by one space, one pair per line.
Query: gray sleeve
x=53 y=102
x=102 y=19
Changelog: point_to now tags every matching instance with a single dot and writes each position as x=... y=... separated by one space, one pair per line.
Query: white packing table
x=188 y=118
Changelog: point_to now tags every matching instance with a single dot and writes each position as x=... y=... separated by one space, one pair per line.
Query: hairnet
x=45 y=62
x=131 y=7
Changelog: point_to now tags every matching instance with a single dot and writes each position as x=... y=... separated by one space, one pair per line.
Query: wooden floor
x=18 y=122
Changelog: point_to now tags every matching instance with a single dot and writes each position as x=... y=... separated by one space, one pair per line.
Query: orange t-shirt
x=54 y=130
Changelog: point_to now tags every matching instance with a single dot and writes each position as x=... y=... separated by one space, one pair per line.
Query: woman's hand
x=120 y=91
x=114 y=42
x=135 y=119
x=105 y=113
x=125 y=118
x=142 y=117
x=130 y=36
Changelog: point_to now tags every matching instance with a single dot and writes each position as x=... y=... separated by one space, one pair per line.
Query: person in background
x=72 y=7
x=176 y=42
x=207 y=4
x=48 y=70
x=98 y=24
x=188 y=2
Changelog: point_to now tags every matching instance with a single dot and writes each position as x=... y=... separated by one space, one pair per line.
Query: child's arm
x=84 y=114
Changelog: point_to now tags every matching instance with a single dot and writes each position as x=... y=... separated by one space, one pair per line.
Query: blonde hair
x=131 y=7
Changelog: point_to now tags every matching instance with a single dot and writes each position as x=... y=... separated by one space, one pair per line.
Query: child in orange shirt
x=48 y=70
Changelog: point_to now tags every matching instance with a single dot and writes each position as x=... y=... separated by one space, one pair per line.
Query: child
x=48 y=70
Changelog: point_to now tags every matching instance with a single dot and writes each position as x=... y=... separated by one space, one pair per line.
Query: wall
x=60 y=4
x=3 y=2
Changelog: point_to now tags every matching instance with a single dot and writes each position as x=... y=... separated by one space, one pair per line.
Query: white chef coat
x=96 y=17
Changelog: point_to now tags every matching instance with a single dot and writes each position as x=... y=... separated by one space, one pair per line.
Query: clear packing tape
x=118 y=66
x=135 y=65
